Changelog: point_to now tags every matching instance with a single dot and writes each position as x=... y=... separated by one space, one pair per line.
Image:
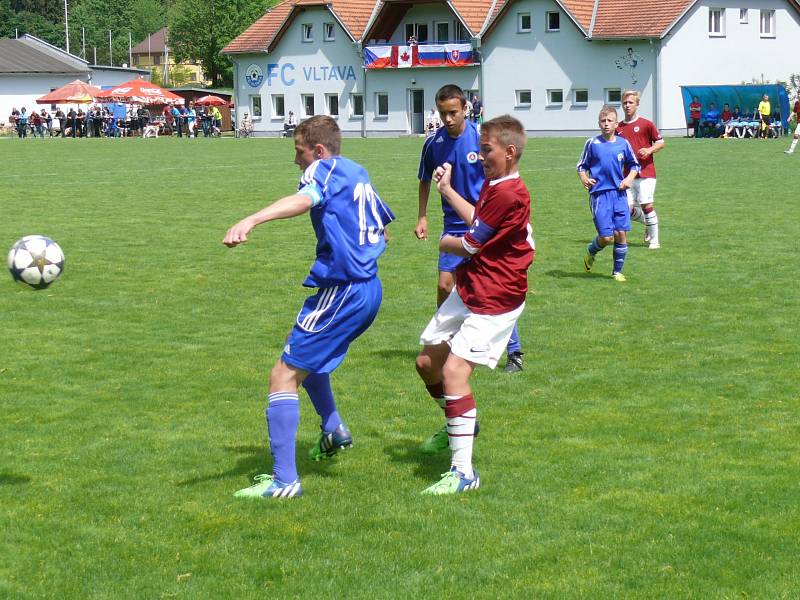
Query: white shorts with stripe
x=642 y=191
x=479 y=339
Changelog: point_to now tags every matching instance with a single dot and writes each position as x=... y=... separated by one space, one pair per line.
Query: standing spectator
x=765 y=113
x=176 y=120
x=191 y=121
x=144 y=118
x=167 y=113
x=22 y=123
x=13 y=118
x=62 y=122
x=48 y=122
x=80 y=119
x=796 y=118
x=477 y=109
x=205 y=120
x=695 y=112
x=216 y=121
x=37 y=124
x=72 y=116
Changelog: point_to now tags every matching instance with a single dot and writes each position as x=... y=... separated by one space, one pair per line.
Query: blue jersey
x=467 y=178
x=606 y=161
x=348 y=218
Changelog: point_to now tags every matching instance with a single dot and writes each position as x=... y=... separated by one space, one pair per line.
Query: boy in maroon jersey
x=646 y=140
x=796 y=118
x=474 y=323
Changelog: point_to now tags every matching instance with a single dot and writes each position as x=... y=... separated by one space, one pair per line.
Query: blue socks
x=283 y=416
x=620 y=251
x=594 y=247
x=318 y=386
x=514 y=344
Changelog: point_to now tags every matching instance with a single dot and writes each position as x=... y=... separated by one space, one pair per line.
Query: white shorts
x=642 y=191
x=479 y=339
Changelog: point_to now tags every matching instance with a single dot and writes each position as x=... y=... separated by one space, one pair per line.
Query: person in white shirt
x=289 y=125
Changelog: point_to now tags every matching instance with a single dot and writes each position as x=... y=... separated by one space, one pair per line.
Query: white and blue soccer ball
x=36 y=260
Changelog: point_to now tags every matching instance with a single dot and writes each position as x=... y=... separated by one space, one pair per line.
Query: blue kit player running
x=348 y=219
x=457 y=143
x=604 y=159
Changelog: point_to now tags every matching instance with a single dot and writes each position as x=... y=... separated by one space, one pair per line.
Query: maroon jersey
x=641 y=133
x=495 y=279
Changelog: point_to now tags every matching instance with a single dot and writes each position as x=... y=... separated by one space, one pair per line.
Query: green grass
x=650 y=449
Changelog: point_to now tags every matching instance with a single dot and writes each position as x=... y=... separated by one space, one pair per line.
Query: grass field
x=650 y=448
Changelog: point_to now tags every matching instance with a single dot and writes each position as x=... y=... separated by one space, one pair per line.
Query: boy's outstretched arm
x=464 y=209
x=285 y=208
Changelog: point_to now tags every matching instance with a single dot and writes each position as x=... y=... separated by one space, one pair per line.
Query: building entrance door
x=417 y=110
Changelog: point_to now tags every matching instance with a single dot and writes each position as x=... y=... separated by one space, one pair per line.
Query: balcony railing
x=399 y=56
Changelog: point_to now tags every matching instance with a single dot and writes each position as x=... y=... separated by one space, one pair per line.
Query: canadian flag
x=405 y=56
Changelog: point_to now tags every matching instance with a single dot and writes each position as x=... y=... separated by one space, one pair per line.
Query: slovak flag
x=377 y=57
x=405 y=56
x=458 y=54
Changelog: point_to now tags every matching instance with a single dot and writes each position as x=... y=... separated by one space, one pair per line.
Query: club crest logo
x=636 y=129
x=472 y=157
x=620 y=157
x=254 y=76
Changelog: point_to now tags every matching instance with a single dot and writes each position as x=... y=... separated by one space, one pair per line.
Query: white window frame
x=744 y=16
x=353 y=113
x=518 y=99
x=770 y=21
x=547 y=21
x=328 y=98
x=307 y=35
x=719 y=31
x=303 y=98
x=607 y=95
x=551 y=101
x=460 y=33
x=378 y=114
x=436 y=30
x=255 y=107
x=276 y=114
x=329 y=32
x=575 y=101
x=520 y=27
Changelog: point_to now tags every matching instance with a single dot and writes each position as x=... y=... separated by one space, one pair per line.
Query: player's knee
x=606 y=239
x=647 y=208
x=423 y=364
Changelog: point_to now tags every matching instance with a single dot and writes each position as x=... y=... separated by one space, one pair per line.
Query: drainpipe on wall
x=656 y=49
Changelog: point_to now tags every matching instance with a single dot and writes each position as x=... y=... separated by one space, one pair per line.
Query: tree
x=199 y=30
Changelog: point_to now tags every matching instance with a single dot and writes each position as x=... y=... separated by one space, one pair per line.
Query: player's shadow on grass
x=7 y=478
x=256 y=460
x=409 y=355
x=574 y=274
x=424 y=467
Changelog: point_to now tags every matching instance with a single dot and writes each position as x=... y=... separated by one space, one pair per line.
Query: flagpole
x=130 y=50
x=110 y=52
x=66 y=24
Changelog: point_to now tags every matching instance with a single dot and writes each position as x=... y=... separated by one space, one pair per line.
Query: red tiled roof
x=625 y=19
x=581 y=11
x=473 y=12
x=258 y=36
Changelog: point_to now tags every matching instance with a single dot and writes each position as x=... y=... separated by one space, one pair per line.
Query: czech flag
x=458 y=55
x=377 y=57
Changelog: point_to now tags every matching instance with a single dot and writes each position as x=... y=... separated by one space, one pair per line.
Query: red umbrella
x=139 y=91
x=210 y=101
x=77 y=92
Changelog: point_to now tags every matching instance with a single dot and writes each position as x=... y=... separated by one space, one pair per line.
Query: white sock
x=651 y=222
x=461 y=433
x=794 y=143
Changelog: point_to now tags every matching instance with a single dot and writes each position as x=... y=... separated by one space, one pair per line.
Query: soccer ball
x=36 y=260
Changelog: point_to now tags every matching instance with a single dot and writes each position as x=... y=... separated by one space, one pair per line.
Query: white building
x=550 y=63
x=31 y=68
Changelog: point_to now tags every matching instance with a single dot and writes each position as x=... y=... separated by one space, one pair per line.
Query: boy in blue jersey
x=604 y=160
x=457 y=143
x=348 y=219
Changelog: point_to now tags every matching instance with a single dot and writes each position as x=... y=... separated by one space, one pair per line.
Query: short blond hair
x=633 y=93
x=508 y=131
x=608 y=110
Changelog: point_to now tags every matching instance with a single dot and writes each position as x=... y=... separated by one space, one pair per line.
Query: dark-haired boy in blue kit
x=604 y=160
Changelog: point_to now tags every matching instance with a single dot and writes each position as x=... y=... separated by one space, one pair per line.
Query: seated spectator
x=289 y=125
x=725 y=119
x=695 y=110
x=246 y=126
x=734 y=122
x=432 y=122
x=13 y=117
x=711 y=121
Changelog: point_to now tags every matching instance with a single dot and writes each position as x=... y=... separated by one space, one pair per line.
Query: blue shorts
x=449 y=262
x=610 y=211
x=328 y=322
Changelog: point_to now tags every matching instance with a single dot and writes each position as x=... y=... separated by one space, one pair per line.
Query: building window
x=613 y=96
x=381 y=104
x=743 y=16
x=523 y=22
x=580 y=97
x=328 y=32
x=356 y=105
x=442 y=32
x=255 y=106
x=278 y=106
x=553 y=21
x=523 y=98
x=555 y=97
x=768 y=23
x=716 y=22
x=308 y=104
x=419 y=31
x=461 y=34
x=308 y=32
x=332 y=104
x=157 y=59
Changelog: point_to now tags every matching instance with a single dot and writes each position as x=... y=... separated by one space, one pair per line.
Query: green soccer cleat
x=618 y=277
x=453 y=482
x=266 y=486
x=588 y=261
x=438 y=442
x=330 y=442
